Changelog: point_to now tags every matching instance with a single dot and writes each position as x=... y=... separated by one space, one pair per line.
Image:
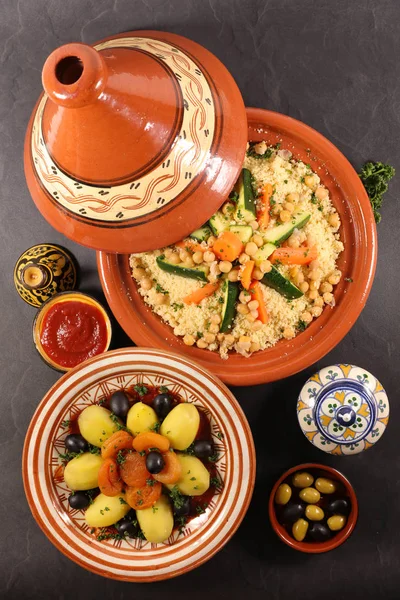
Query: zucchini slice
x=283 y=286
x=246 y=204
x=263 y=253
x=230 y=292
x=280 y=233
x=219 y=223
x=191 y=273
x=244 y=232
x=202 y=234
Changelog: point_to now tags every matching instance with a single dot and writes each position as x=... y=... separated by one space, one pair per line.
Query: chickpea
x=220 y=337
x=293 y=197
x=138 y=273
x=325 y=287
x=299 y=278
x=248 y=217
x=209 y=256
x=328 y=297
x=243 y=258
x=314 y=264
x=146 y=283
x=284 y=216
x=254 y=346
x=244 y=297
x=184 y=254
x=197 y=257
x=288 y=333
x=209 y=338
x=304 y=287
x=335 y=277
x=254 y=225
x=215 y=319
x=321 y=193
x=251 y=317
x=334 y=220
x=314 y=285
x=242 y=309
x=188 y=340
x=233 y=275
x=189 y=262
x=254 y=314
x=211 y=241
x=319 y=301
x=214 y=328
x=168 y=252
x=265 y=266
x=260 y=147
x=257 y=274
x=160 y=299
x=225 y=266
x=229 y=339
x=310 y=181
x=244 y=339
x=294 y=270
x=316 y=311
x=228 y=208
x=306 y=317
x=253 y=305
x=289 y=206
x=251 y=248
x=276 y=209
x=294 y=241
x=174 y=259
x=201 y=343
x=314 y=274
x=257 y=239
x=256 y=326
x=313 y=295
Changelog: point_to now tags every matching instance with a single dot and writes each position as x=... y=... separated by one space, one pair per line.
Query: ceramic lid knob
x=343 y=409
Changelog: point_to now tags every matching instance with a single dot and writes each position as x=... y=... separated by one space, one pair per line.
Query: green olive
x=325 y=486
x=299 y=529
x=336 y=523
x=283 y=494
x=310 y=495
x=314 y=513
x=302 y=479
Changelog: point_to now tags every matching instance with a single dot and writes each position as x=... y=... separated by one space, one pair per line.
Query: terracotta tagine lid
x=143 y=125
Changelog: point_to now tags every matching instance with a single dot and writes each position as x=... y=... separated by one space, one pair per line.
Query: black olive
x=74 y=442
x=126 y=527
x=154 y=462
x=337 y=506
x=184 y=509
x=292 y=512
x=78 y=500
x=203 y=448
x=162 y=404
x=319 y=532
x=119 y=404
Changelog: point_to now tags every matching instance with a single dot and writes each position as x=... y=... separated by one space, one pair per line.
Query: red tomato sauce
x=73 y=332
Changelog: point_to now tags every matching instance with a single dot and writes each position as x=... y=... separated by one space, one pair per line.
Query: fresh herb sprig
x=375 y=177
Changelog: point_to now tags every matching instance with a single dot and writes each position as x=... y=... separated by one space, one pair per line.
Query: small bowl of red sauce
x=70 y=328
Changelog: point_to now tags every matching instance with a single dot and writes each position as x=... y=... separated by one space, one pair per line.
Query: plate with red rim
x=134 y=559
x=357 y=263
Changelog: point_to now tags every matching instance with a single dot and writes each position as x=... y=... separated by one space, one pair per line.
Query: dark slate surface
x=332 y=64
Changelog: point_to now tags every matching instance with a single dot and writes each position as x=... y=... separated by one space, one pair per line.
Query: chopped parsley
x=234 y=197
x=375 y=177
x=150 y=482
x=66 y=423
x=139 y=502
x=140 y=389
x=155 y=509
x=313 y=198
x=199 y=335
x=117 y=423
x=215 y=482
x=213 y=458
x=122 y=501
x=349 y=279
x=155 y=428
x=189 y=450
x=163 y=389
x=251 y=152
x=201 y=509
x=181 y=522
x=177 y=498
x=220 y=435
x=301 y=325
x=107 y=535
x=176 y=306
x=121 y=458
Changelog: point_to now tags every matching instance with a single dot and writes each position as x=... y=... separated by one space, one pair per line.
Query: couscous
x=260 y=270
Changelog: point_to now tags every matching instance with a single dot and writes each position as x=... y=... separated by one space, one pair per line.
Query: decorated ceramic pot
x=343 y=409
x=143 y=125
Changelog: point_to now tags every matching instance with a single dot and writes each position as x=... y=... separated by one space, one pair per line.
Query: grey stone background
x=333 y=64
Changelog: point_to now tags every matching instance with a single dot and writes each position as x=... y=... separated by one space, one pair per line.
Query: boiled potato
x=157 y=521
x=195 y=479
x=81 y=472
x=96 y=425
x=106 y=511
x=141 y=418
x=180 y=425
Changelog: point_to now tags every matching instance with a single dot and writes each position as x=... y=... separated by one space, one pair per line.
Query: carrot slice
x=245 y=275
x=294 y=256
x=149 y=439
x=119 y=440
x=263 y=213
x=228 y=246
x=257 y=295
x=140 y=497
x=172 y=470
x=109 y=480
x=198 y=295
x=133 y=470
x=189 y=245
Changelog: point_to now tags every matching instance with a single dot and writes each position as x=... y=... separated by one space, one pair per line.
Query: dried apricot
x=109 y=480
x=140 y=497
x=133 y=470
x=119 y=440
x=149 y=439
x=172 y=470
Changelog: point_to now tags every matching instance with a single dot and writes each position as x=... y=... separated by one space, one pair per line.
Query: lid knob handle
x=74 y=75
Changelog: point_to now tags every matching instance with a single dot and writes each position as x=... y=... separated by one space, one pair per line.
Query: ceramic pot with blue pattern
x=343 y=409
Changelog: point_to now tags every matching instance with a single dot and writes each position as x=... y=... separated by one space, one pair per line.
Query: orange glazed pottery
x=357 y=263
x=143 y=125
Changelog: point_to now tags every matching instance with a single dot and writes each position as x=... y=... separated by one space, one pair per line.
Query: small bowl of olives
x=313 y=508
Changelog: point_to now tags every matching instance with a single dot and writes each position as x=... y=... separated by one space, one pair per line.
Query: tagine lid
x=135 y=142
x=343 y=409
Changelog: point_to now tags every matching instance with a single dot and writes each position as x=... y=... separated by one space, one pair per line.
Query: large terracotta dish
x=134 y=559
x=357 y=262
